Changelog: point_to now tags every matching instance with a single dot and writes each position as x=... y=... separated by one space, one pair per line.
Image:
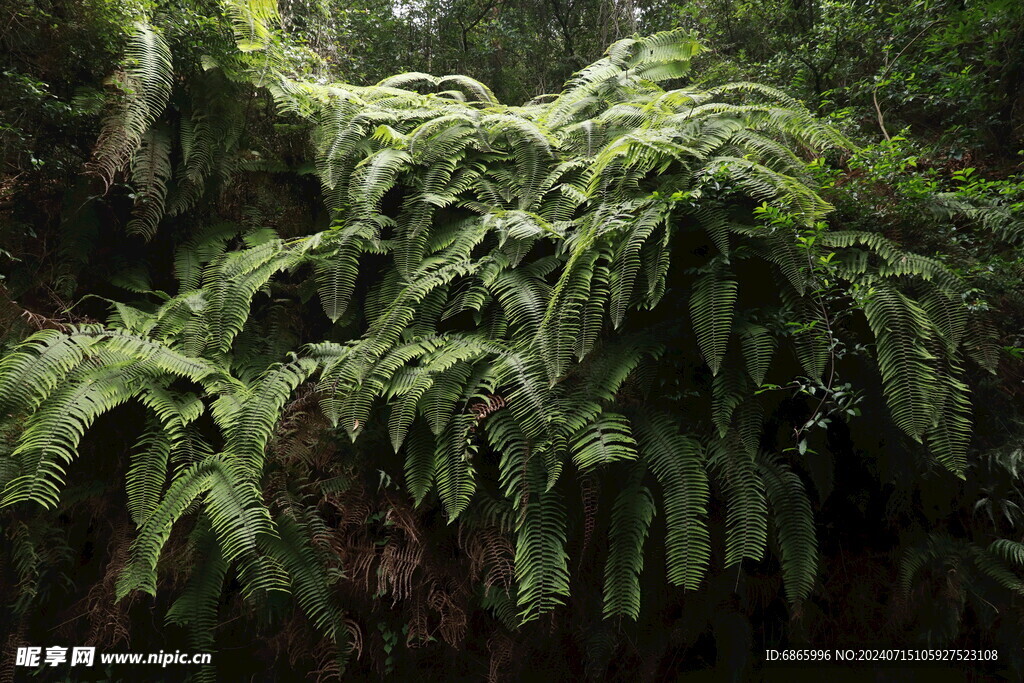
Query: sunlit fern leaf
x=632 y=513
x=147 y=77
x=781 y=250
x=812 y=341
x=49 y=442
x=531 y=148
x=523 y=297
x=130 y=319
x=38 y=366
x=386 y=329
x=661 y=56
x=530 y=399
x=606 y=440
x=614 y=363
x=530 y=221
x=252 y=21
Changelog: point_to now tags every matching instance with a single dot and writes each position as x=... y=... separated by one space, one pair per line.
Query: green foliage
x=145 y=84
x=631 y=520
x=508 y=293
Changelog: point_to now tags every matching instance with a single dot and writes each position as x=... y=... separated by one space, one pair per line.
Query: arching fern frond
x=146 y=80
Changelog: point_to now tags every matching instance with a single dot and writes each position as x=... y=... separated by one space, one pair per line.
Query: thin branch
x=888 y=68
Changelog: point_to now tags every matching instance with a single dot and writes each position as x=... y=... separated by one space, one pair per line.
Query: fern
x=746 y=530
x=899 y=325
x=604 y=441
x=150 y=170
x=631 y=520
x=503 y=330
x=711 y=306
x=794 y=523
x=677 y=462
x=542 y=574
x=146 y=82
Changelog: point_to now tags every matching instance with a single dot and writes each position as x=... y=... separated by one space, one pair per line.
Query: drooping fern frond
x=794 y=526
x=678 y=463
x=711 y=306
x=746 y=521
x=150 y=171
x=631 y=520
x=901 y=327
x=146 y=84
x=604 y=441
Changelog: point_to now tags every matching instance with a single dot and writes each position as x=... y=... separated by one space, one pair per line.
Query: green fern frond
x=147 y=80
x=677 y=461
x=604 y=441
x=794 y=526
x=758 y=346
x=541 y=561
x=711 y=306
x=150 y=171
x=746 y=517
x=631 y=521
x=900 y=327
x=454 y=472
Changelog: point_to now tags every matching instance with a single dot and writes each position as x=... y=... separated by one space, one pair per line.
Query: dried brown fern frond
x=398 y=562
x=453 y=617
x=491 y=556
x=501 y=648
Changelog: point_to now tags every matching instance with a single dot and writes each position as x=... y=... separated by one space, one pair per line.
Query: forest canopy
x=511 y=339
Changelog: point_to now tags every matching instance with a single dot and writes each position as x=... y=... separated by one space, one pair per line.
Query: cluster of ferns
x=515 y=296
